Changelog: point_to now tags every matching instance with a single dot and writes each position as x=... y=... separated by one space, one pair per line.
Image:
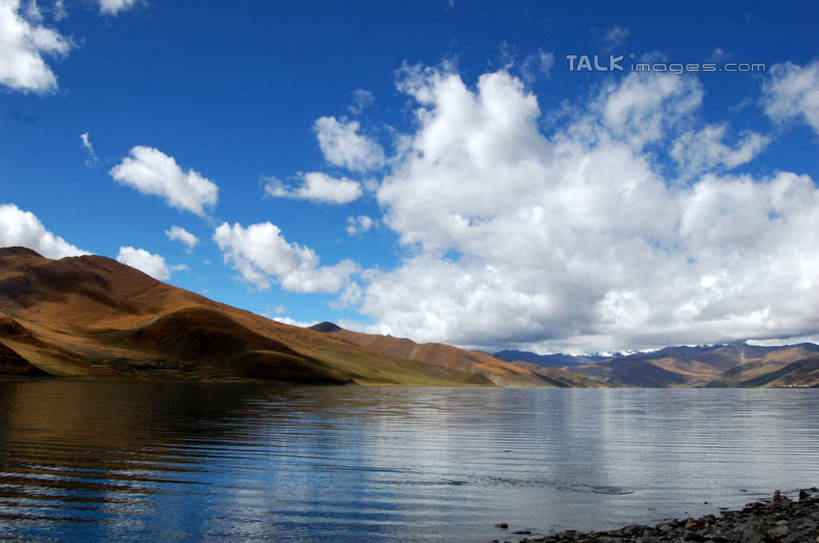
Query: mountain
x=476 y=363
x=92 y=316
x=736 y=364
x=558 y=360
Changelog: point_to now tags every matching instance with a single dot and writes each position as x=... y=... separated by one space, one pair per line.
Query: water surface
x=83 y=461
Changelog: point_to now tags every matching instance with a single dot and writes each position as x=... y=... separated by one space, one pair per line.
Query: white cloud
x=577 y=239
x=23 y=228
x=616 y=36
x=33 y=11
x=261 y=254
x=318 y=187
x=294 y=322
x=23 y=42
x=150 y=171
x=697 y=151
x=86 y=142
x=151 y=264
x=58 y=10
x=177 y=233
x=115 y=7
x=537 y=64
x=641 y=109
x=792 y=93
x=720 y=55
x=359 y=225
x=362 y=99
x=343 y=146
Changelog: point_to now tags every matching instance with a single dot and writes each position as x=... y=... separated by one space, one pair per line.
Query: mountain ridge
x=93 y=317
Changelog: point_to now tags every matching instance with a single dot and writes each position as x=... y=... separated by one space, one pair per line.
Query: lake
x=85 y=461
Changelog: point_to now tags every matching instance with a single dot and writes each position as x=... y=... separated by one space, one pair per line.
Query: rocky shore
x=778 y=520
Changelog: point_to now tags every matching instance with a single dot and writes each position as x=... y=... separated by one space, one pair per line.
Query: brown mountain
x=91 y=316
x=499 y=371
x=719 y=365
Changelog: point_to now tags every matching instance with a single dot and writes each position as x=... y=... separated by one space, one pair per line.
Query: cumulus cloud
x=359 y=225
x=261 y=254
x=699 y=150
x=316 y=186
x=577 y=239
x=343 y=146
x=23 y=228
x=177 y=233
x=792 y=93
x=115 y=7
x=150 y=171
x=23 y=43
x=151 y=264
x=641 y=110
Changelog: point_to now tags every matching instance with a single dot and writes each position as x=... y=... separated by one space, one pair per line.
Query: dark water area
x=84 y=461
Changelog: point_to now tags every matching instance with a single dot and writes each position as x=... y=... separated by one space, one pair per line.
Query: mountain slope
x=500 y=372
x=91 y=316
x=557 y=360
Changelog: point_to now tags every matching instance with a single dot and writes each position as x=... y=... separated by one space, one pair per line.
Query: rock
x=523 y=532
x=779 y=532
x=502 y=525
x=693 y=525
x=771 y=521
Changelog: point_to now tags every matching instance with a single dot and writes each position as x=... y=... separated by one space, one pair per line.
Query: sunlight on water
x=137 y=462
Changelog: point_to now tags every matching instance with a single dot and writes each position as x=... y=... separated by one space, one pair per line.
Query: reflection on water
x=86 y=461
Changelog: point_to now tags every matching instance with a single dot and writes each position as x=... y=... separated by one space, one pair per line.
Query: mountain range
x=732 y=365
x=93 y=317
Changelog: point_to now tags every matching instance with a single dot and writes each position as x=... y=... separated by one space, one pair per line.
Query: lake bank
x=779 y=519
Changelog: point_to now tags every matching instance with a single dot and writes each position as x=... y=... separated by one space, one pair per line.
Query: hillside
x=91 y=316
x=498 y=371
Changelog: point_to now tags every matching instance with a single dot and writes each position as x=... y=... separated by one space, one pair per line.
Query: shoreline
x=778 y=520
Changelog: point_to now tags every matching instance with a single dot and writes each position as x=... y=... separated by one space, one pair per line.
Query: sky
x=531 y=175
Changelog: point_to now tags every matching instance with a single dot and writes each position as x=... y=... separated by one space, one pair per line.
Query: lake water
x=89 y=462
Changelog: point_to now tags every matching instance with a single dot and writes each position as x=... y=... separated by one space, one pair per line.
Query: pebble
x=779 y=520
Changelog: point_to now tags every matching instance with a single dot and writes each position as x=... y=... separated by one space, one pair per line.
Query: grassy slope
x=479 y=364
x=92 y=316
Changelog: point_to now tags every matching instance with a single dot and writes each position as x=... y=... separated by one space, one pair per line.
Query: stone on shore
x=780 y=520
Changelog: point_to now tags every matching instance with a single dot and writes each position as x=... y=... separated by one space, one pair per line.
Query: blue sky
x=432 y=170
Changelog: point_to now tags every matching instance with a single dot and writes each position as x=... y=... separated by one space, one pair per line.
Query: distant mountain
x=558 y=360
x=737 y=364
